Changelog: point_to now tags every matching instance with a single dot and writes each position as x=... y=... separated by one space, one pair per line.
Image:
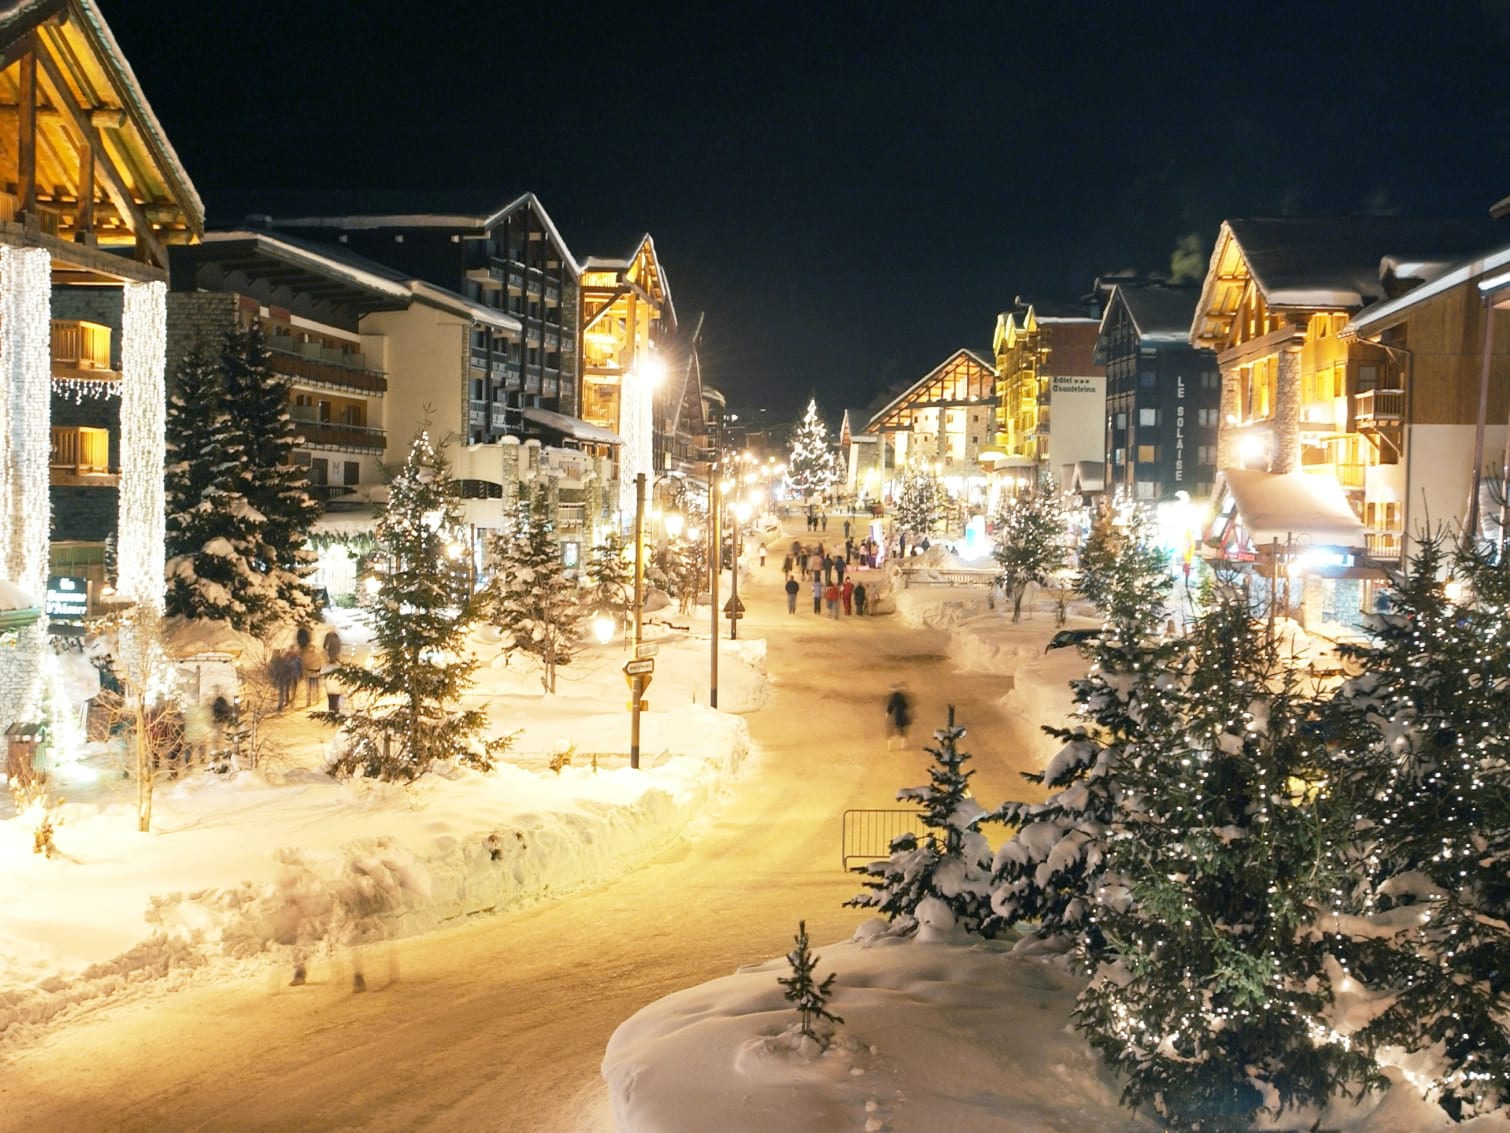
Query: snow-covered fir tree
x=808 y=995
x=405 y=703
x=215 y=539
x=1029 y=542
x=610 y=579
x=920 y=503
x=1426 y=770
x=810 y=460
x=1209 y=993
x=943 y=879
x=682 y=567
x=264 y=435
x=532 y=598
x=1048 y=875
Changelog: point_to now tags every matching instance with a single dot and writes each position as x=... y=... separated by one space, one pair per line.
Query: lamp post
x=715 y=533
x=741 y=513
x=637 y=682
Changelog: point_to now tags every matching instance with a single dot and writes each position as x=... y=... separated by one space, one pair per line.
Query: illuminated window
x=1148 y=454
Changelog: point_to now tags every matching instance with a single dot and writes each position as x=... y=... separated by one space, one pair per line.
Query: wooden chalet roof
x=96 y=158
x=962 y=379
x=1308 y=264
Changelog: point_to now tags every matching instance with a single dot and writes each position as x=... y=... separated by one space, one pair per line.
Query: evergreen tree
x=1427 y=773
x=951 y=866
x=1050 y=872
x=920 y=502
x=1029 y=542
x=405 y=712
x=531 y=597
x=810 y=462
x=808 y=995
x=1209 y=994
x=683 y=568
x=263 y=437
x=214 y=537
x=610 y=578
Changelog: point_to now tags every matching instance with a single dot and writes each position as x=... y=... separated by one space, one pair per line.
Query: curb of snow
x=381 y=889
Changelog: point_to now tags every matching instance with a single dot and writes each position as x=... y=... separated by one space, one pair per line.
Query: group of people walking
x=304 y=659
x=826 y=574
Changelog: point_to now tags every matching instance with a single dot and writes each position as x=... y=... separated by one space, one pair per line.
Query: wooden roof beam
x=114 y=187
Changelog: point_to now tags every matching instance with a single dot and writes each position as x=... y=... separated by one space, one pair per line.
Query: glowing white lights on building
x=140 y=555
x=636 y=421
x=26 y=374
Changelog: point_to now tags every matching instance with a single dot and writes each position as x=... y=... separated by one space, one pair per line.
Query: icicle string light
x=636 y=413
x=78 y=390
x=140 y=556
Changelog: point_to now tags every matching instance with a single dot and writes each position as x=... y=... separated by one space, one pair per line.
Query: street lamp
x=636 y=681
x=741 y=513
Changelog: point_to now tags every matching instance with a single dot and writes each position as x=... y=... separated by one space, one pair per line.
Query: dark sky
x=850 y=192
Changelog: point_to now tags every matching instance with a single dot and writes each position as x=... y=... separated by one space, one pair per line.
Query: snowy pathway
x=500 y=1024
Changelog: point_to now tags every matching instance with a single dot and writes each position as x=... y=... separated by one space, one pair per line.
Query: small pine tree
x=808 y=995
x=1029 y=543
x=810 y=461
x=920 y=503
x=951 y=866
x=531 y=597
x=404 y=702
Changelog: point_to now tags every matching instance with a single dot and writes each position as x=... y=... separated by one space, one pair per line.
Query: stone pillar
x=140 y=528
x=1227 y=413
x=25 y=459
x=1286 y=448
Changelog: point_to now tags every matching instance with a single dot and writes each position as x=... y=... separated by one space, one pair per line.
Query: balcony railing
x=1350 y=475
x=80 y=449
x=1377 y=405
x=1385 y=546
x=319 y=371
x=330 y=434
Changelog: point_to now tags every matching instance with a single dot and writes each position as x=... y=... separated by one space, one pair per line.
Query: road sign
x=647 y=649
x=734 y=608
x=643 y=665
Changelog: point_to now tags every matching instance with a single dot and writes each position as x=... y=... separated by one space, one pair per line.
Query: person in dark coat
x=791 y=594
x=859 y=599
x=898 y=716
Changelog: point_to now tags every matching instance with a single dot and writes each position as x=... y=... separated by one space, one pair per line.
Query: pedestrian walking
x=791 y=594
x=818 y=593
x=815 y=566
x=847 y=596
x=898 y=716
x=311 y=661
x=825 y=520
x=846 y=530
x=859 y=599
x=285 y=670
x=762 y=554
x=838 y=570
x=786 y=567
x=831 y=597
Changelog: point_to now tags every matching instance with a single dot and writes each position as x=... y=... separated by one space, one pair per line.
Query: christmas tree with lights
x=1029 y=542
x=920 y=501
x=943 y=877
x=810 y=463
x=1210 y=990
x=1424 y=921
x=610 y=579
x=405 y=702
x=531 y=598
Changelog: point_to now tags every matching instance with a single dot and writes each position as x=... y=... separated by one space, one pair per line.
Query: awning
x=1287 y=506
x=573 y=427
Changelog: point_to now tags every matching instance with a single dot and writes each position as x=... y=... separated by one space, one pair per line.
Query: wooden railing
x=327 y=373
x=79 y=345
x=1379 y=405
x=79 y=449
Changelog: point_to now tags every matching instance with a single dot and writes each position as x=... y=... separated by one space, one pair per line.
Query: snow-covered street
x=502 y=1021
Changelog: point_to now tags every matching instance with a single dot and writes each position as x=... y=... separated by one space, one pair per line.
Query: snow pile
x=936 y=1035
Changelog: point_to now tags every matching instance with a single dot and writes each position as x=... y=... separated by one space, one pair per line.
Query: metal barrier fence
x=926 y=576
x=867 y=834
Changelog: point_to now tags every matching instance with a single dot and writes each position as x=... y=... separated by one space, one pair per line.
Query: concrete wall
x=1440 y=474
x=427 y=377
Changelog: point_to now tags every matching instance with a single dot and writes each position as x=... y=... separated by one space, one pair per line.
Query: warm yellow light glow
x=742 y=510
x=652 y=369
x=674 y=521
x=603 y=627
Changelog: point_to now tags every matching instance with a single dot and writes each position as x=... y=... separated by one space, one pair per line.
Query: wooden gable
x=964 y=379
x=82 y=159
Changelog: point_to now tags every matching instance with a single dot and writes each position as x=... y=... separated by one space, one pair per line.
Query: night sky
x=849 y=192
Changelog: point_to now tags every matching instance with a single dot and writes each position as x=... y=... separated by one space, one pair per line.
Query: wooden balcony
x=81 y=350
x=80 y=457
x=1385 y=546
x=332 y=434
x=1379 y=407
x=319 y=371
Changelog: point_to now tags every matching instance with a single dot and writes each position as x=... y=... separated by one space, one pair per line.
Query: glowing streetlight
x=603 y=626
x=674 y=520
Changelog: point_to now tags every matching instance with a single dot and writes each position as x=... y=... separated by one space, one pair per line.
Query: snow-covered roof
x=572 y=427
x=1377 y=316
x=1088 y=476
x=329 y=260
x=12 y=597
x=1291 y=505
x=1159 y=314
x=479 y=313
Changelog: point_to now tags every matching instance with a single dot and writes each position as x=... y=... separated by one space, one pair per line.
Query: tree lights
x=140 y=538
